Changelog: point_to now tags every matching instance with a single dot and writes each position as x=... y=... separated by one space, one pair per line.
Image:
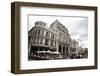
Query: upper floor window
x=64 y=37
x=53 y=36
x=41 y=41
x=36 y=32
x=51 y=44
x=46 y=34
x=39 y=32
x=37 y=40
x=34 y=40
x=60 y=35
x=46 y=41
x=42 y=32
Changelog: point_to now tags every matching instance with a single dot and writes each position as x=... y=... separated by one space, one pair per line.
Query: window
x=53 y=36
x=51 y=44
x=37 y=40
x=41 y=41
x=42 y=32
x=29 y=38
x=55 y=43
x=39 y=32
x=64 y=37
x=46 y=34
x=34 y=40
x=60 y=35
x=46 y=41
x=36 y=32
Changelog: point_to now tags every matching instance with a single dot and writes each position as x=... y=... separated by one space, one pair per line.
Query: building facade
x=50 y=43
x=74 y=47
x=62 y=38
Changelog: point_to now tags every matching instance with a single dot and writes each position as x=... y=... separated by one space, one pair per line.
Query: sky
x=77 y=26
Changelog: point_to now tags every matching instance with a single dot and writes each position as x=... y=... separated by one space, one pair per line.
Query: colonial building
x=50 y=43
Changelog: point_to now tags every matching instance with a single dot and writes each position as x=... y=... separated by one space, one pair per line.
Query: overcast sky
x=77 y=26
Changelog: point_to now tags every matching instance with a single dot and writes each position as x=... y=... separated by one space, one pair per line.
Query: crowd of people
x=55 y=55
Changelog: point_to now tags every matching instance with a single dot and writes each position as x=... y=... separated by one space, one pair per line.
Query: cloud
x=77 y=26
x=81 y=29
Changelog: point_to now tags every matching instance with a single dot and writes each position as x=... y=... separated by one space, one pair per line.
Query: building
x=62 y=38
x=74 y=47
x=50 y=43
